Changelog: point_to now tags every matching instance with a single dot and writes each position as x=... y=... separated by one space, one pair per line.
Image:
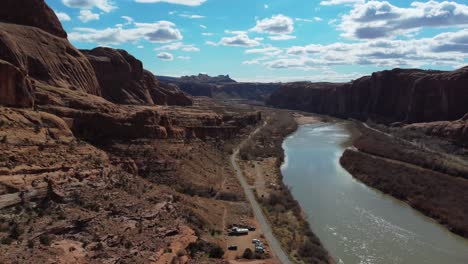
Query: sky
x=274 y=40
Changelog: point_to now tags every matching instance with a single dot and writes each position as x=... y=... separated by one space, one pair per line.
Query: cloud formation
x=63 y=16
x=239 y=40
x=340 y=2
x=179 y=46
x=278 y=24
x=178 y=2
x=449 y=49
x=159 y=32
x=87 y=15
x=282 y=37
x=104 y=5
x=381 y=19
x=165 y=56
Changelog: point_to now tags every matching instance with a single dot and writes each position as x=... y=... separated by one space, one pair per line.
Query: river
x=358 y=224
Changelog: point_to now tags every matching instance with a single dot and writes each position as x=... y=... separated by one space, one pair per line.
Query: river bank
x=357 y=223
x=432 y=181
x=261 y=160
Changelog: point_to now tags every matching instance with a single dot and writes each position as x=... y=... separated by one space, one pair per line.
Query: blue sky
x=273 y=40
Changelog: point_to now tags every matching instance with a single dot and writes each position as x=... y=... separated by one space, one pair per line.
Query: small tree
x=248 y=254
x=216 y=252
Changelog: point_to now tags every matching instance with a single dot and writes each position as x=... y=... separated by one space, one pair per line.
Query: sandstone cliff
x=16 y=87
x=222 y=87
x=388 y=96
x=31 y=13
x=124 y=81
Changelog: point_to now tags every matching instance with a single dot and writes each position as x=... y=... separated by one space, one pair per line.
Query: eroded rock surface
x=388 y=96
x=123 y=80
x=34 y=13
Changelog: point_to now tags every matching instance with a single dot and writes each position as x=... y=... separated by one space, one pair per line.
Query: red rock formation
x=15 y=88
x=123 y=79
x=388 y=96
x=456 y=131
x=33 y=13
x=47 y=59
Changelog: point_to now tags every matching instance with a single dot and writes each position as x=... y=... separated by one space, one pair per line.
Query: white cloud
x=165 y=56
x=207 y=34
x=140 y=46
x=278 y=24
x=159 y=32
x=448 y=49
x=63 y=16
x=380 y=19
x=184 y=57
x=179 y=46
x=128 y=19
x=240 y=40
x=191 y=16
x=340 y=2
x=178 y=2
x=203 y=26
x=268 y=51
x=304 y=20
x=282 y=37
x=265 y=6
x=104 y=5
x=315 y=19
x=87 y=15
x=211 y=43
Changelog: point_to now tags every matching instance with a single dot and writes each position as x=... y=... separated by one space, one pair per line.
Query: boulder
x=34 y=13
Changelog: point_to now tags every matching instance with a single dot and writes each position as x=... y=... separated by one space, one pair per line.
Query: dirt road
x=275 y=246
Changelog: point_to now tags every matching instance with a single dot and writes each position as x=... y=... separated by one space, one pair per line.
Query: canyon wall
x=123 y=80
x=389 y=96
x=222 y=87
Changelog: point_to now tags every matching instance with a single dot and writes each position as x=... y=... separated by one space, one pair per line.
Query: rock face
x=15 y=88
x=456 y=131
x=388 y=96
x=222 y=87
x=33 y=13
x=47 y=59
x=123 y=80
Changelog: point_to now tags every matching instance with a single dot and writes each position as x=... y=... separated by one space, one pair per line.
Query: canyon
x=412 y=144
x=101 y=161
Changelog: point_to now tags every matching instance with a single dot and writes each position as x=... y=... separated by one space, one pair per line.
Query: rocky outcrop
x=222 y=87
x=15 y=88
x=455 y=131
x=46 y=58
x=34 y=13
x=124 y=81
x=388 y=96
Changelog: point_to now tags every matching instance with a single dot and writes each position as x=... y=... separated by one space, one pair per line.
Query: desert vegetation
x=283 y=211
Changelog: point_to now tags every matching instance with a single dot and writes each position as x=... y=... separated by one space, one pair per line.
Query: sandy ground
x=305 y=119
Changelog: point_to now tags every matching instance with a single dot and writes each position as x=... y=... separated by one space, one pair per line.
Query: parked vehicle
x=255 y=241
x=251 y=228
x=259 y=249
x=236 y=231
x=232 y=247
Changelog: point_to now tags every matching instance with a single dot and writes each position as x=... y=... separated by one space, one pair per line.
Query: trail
x=275 y=245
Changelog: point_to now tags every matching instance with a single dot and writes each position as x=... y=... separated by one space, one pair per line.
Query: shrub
x=44 y=239
x=248 y=254
x=216 y=252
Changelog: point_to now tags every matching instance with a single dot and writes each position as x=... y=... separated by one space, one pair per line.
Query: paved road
x=272 y=241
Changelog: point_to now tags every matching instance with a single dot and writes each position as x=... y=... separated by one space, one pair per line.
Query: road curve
x=275 y=246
